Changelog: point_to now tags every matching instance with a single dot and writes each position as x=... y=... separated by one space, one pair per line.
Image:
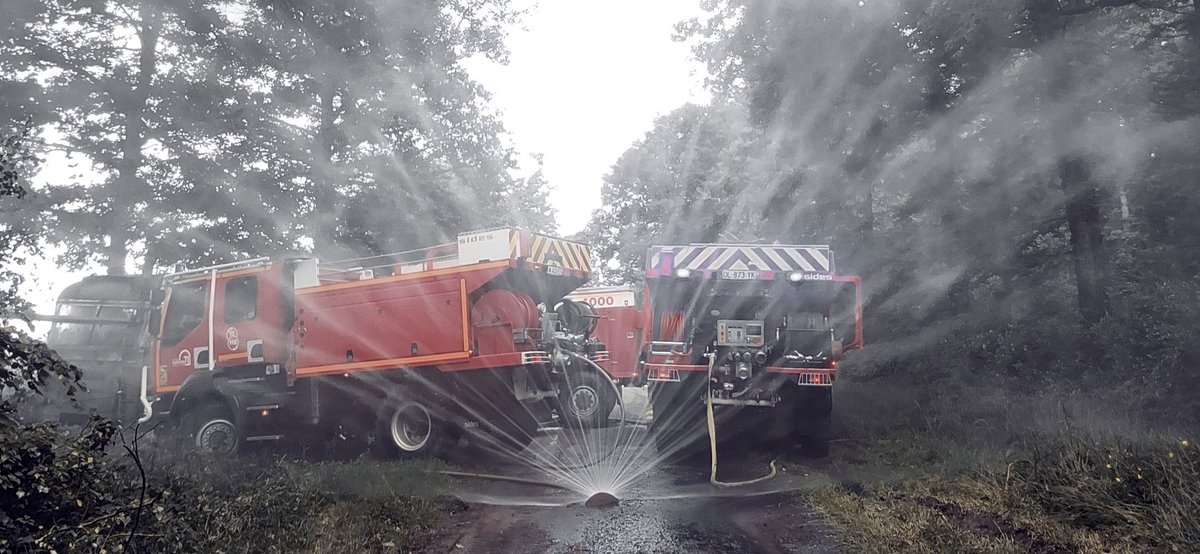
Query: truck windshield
x=185 y=311
x=111 y=326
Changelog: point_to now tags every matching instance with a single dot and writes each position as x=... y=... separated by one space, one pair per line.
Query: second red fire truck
x=757 y=329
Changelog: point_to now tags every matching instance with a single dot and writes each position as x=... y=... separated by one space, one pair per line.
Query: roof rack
x=220 y=267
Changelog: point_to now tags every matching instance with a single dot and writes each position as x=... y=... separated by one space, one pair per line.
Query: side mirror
x=157 y=296
x=154 y=320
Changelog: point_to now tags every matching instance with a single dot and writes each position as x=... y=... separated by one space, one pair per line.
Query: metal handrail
x=218 y=267
x=390 y=256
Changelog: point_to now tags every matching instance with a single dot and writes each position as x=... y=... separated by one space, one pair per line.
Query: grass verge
x=995 y=476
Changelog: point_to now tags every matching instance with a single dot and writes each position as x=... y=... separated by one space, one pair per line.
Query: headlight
x=795 y=276
x=683 y=273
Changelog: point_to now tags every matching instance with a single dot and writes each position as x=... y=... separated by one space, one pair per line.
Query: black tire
x=210 y=429
x=814 y=446
x=814 y=417
x=679 y=427
x=586 y=399
x=410 y=425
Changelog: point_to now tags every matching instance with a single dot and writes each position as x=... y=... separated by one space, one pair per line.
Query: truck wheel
x=210 y=429
x=814 y=417
x=409 y=427
x=679 y=423
x=814 y=446
x=587 y=399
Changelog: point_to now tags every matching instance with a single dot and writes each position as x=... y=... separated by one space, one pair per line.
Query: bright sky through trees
x=584 y=81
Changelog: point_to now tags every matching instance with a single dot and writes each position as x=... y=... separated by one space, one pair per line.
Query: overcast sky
x=584 y=81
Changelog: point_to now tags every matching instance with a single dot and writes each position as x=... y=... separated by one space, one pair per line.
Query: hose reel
x=577 y=318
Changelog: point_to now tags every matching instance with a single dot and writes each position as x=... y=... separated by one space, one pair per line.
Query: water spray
x=597 y=499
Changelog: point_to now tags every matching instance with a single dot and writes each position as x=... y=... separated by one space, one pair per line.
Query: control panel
x=739 y=332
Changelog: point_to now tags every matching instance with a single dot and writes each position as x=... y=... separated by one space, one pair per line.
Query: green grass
x=989 y=472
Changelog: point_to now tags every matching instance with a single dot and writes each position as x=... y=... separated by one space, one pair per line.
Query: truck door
x=252 y=316
x=182 y=344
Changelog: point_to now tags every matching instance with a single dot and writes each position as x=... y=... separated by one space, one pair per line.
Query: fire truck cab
x=99 y=324
x=757 y=330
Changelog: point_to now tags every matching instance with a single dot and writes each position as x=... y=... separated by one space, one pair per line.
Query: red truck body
x=461 y=331
x=755 y=330
x=621 y=327
x=457 y=312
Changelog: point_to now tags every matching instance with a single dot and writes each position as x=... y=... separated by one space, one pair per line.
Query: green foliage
x=680 y=183
x=945 y=464
x=15 y=243
x=27 y=366
x=1009 y=178
x=61 y=492
x=51 y=484
x=214 y=131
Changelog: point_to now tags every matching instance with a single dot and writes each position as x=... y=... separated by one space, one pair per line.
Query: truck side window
x=241 y=299
x=185 y=311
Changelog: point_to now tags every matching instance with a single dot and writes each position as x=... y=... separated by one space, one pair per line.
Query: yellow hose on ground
x=712 y=439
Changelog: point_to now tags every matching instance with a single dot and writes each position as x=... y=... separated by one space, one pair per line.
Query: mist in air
x=1001 y=196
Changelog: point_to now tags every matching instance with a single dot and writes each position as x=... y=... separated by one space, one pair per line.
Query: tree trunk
x=125 y=188
x=325 y=207
x=1085 y=220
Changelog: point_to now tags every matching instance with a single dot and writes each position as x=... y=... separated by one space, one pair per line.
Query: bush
x=61 y=492
x=52 y=483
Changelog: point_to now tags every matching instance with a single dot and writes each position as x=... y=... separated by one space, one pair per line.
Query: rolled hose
x=712 y=439
x=577 y=317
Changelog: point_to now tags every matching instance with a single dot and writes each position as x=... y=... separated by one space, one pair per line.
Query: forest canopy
x=1011 y=179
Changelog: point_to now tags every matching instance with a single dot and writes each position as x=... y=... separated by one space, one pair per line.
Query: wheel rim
x=411 y=427
x=584 y=401
x=218 y=436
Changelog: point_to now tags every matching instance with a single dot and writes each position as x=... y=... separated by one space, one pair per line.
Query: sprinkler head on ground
x=601 y=499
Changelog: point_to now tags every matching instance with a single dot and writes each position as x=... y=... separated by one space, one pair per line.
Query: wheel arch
x=200 y=389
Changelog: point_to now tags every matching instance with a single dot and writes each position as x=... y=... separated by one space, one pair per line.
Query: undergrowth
x=83 y=492
x=991 y=472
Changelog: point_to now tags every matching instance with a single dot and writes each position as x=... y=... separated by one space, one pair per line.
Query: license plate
x=554 y=270
x=739 y=275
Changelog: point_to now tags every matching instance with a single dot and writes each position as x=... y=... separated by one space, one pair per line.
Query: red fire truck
x=757 y=330
x=411 y=350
